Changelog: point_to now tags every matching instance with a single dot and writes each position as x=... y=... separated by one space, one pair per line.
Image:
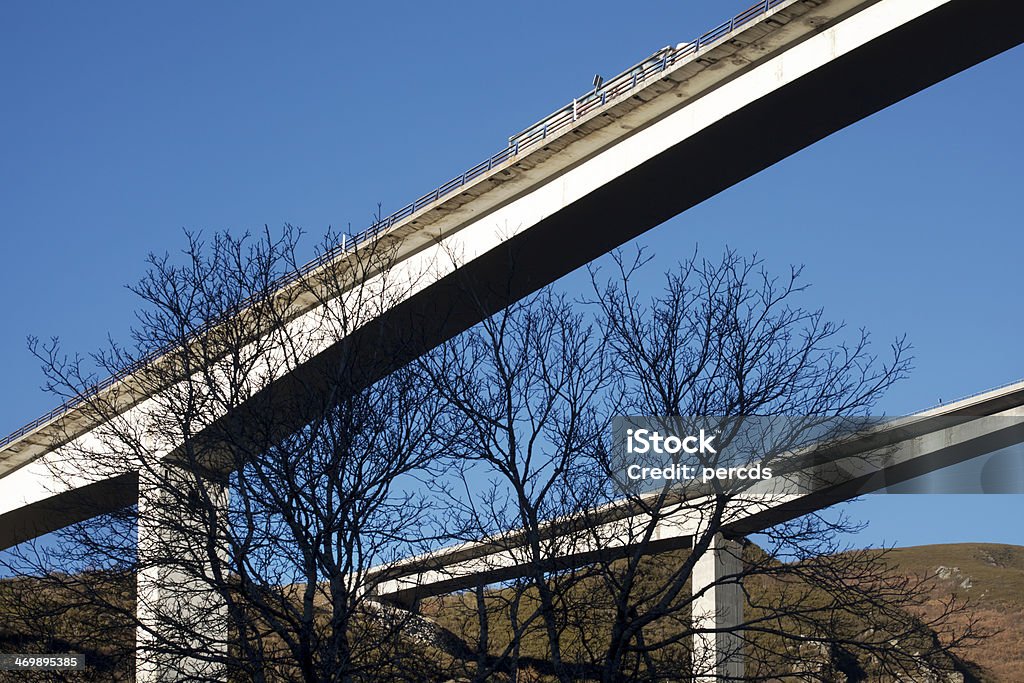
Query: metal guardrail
x=976 y=394
x=595 y=99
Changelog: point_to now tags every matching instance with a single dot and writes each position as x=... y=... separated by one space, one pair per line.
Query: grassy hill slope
x=991 y=578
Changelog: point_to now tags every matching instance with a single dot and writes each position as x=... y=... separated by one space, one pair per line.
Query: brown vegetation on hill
x=459 y=614
x=990 y=577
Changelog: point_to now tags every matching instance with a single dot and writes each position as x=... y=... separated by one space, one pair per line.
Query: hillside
x=997 y=569
x=991 y=578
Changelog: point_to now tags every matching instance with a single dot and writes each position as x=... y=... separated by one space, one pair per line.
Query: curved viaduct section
x=753 y=95
x=812 y=478
x=819 y=476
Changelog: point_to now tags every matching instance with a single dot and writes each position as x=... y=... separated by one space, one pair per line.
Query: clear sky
x=121 y=124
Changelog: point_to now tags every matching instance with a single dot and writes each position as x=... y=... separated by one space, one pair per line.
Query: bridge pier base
x=717 y=609
x=182 y=619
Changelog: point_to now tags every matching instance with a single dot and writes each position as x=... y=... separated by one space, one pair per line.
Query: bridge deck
x=753 y=96
x=631 y=90
x=893 y=452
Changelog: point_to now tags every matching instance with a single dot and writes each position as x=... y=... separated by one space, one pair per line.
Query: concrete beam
x=507 y=558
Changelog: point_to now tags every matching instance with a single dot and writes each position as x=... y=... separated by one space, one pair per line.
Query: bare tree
x=277 y=446
x=591 y=598
x=727 y=339
x=530 y=384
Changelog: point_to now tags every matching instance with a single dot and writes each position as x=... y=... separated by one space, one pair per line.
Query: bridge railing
x=595 y=99
x=967 y=397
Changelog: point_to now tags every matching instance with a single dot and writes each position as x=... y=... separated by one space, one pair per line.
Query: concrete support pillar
x=182 y=632
x=717 y=655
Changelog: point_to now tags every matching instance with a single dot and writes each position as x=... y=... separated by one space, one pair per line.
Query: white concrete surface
x=717 y=611
x=689 y=99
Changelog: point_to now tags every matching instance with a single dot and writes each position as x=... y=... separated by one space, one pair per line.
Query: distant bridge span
x=893 y=452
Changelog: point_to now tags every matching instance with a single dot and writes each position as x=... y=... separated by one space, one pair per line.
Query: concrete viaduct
x=678 y=128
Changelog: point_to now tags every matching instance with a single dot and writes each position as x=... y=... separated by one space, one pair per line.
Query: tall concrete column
x=182 y=628
x=717 y=604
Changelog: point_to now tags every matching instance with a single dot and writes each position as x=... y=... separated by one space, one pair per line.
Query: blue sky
x=122 y=124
